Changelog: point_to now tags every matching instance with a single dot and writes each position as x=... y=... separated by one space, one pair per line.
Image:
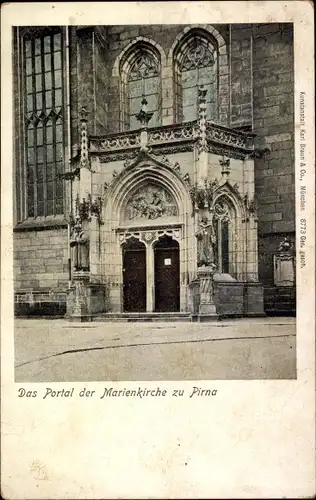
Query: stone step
x=142 y=317
x=280 y=293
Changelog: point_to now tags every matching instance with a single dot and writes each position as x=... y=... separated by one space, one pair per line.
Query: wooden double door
x=158 y=274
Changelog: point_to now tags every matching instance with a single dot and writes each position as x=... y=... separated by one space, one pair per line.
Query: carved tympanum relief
x=150 y=202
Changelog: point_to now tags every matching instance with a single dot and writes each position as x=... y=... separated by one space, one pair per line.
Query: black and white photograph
x=157 y=250
x=154 y=202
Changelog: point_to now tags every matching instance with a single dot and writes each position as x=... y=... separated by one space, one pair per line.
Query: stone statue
x=80 y=250
x=206 y=242
x=284 y=264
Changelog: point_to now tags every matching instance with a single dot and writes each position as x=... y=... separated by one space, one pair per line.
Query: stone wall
x=101 y=83
x=241 y=75
x=274 y=125
x=89 y=74
x=273 y=101
x=40 y=260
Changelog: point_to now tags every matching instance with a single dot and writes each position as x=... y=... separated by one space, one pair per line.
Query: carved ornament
x=202 y=196
x=177 y=138
x=86 y=208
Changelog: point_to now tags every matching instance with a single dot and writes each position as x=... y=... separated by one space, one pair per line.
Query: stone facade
x=40 y=271
x=247 y=156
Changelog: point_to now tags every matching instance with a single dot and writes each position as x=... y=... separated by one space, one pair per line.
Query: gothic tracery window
x=196 y=65
x=42 y=70
x=224 y=216
x=140 y=78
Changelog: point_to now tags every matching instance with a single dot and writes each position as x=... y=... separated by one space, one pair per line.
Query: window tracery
x=140 y=78
x=224 y=217
x=195 y=65
x=42 y=62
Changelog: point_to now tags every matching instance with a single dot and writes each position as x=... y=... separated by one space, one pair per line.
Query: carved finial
x=164 y=159
x=77 y=203
x=202 y=117
x=285 y=246
x=186 y=178
x=202 y=94
x=84 y=139
x=225 y=164
x=130 y=160
x=83 y=114
x=144 y=116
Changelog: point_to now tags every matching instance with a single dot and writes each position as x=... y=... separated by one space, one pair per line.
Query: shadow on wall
x=232 y=298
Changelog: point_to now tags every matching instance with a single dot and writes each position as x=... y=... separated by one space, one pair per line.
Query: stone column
x=94 y=247
x=167 y=94
x=77 y=300
x=250 y=222
x=202 y=170
x=150 y=277
x=252 y=250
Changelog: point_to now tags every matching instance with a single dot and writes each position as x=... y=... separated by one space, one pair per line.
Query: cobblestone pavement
x=56 y=350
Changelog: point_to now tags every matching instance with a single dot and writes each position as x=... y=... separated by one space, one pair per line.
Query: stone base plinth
x=80 y=319
x=207 y=308
x=203 y=318
x=84 y=300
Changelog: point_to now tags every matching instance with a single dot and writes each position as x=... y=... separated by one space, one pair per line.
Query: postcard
x=158 y=262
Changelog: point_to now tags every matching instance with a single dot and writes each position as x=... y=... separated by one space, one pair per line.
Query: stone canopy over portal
x=155 y=224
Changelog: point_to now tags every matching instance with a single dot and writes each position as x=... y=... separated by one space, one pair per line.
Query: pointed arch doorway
x=166 y=275
x=149 y=200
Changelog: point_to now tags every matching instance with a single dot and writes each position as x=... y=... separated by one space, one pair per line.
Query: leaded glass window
x=196 y=65
x=140 y=78
x=43 y=125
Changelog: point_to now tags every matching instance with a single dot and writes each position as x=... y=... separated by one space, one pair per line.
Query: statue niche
x=80 y=249
x=206 y=242
x=150 y=202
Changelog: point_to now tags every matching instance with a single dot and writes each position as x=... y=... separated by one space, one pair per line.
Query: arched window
x=196 y=64
x=140 y=77
x=224 y=217
x=42 y=96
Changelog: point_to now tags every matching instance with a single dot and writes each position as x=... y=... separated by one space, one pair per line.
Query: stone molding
x=158 y=169
x=139 y=39
x=150 y=235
